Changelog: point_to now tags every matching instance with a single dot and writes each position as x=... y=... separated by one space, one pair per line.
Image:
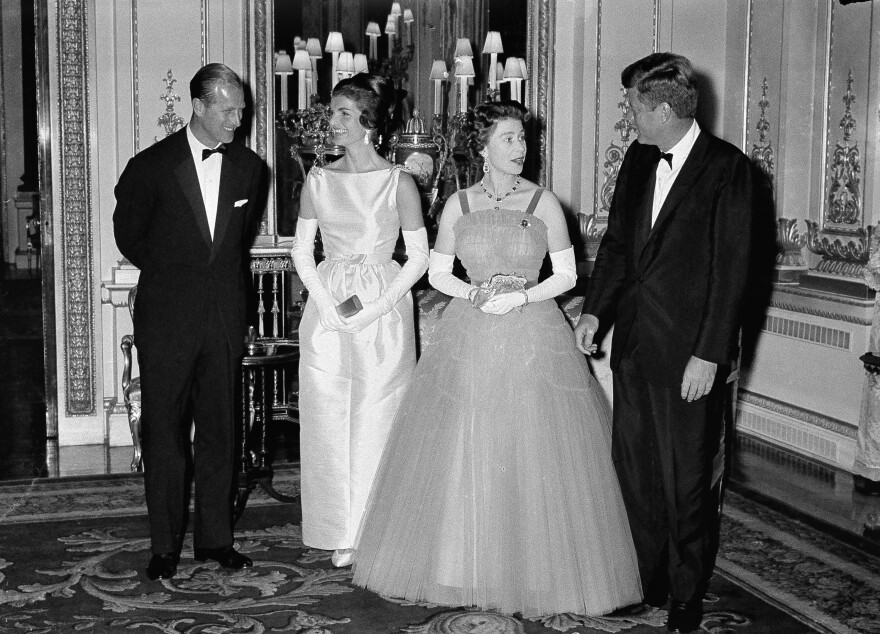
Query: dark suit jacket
x=161 y=227
x=684 y=278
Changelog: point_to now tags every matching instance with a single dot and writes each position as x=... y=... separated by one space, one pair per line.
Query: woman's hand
x=330 y=318
x=363 y=318
x=504 y=303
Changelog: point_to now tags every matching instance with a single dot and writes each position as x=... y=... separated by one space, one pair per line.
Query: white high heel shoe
x=342 y=557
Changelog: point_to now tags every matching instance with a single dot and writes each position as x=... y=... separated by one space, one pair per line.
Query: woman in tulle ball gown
x=496 y=487
x=354 y=368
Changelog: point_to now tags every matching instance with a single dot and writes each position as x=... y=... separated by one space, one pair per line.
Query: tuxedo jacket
x=678 y=287
x=161 y=226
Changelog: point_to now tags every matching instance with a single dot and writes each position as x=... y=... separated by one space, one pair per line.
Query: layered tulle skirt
x=496 y=487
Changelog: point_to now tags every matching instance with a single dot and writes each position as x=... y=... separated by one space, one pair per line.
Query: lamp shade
x=282 y=63
x=493 y=43
x=345 y=63
x=438 y=70
x=373 y=29
x=524 y=68
x=301 y=60
x=512 y=68
x=298 y=42
x=360 y=63
x=395 y=9
x=464 y=66
x=391 y=26
x=313 y=46
x=408 y=16
x=463 y=48
x=334 y=42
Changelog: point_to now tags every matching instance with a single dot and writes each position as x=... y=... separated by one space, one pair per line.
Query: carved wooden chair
x=131 y=390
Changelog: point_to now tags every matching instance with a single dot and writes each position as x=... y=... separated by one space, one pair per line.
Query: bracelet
x=471 y=293
x=526 y=295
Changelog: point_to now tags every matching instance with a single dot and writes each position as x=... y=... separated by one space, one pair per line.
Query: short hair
x=373 y=95
x=487 y=114
x=208 y=77
x=664 y=77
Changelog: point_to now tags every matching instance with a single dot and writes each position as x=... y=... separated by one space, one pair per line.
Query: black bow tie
x=666 y=156
x=220 y=149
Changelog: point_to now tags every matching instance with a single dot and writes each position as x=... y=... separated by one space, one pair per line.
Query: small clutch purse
x=350 y=307
x=498 y=284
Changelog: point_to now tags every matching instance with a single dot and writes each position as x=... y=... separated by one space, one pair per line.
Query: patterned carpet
x=72 y=554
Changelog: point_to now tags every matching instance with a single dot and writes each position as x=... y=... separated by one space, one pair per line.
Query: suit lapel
x=690 y=171
x=188 y=179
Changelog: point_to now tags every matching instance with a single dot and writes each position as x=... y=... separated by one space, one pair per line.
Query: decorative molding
x=614 y=157
x=204 y=25
x=844 y=200
x=846 y=259
x=542 y=32
x=798 y=413
x=790 y=243
x=263 y=94
x=75 y=204
x=818 y=312
x=747 y=79
x=656 y=42
x=762 y=151
x=598 y=106
x=591 y=233
x=170 y=120
x=135 y=90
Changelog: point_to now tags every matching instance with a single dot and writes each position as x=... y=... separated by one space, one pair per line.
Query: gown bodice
x=506 y=241
x=357 y=212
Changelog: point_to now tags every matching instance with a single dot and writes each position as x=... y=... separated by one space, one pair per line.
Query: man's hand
x=584 y=332
x=698 y=378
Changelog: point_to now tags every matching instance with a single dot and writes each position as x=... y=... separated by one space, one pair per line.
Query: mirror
x=426 y=30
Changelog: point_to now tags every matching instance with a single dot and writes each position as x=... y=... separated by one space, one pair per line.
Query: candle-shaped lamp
x=438 y=74
x=302 y=65
x=313 y=46
x=408 y=19
x=391 y=31
x=360 y=64
x=334 y=46
x=525 y=73
x=283 y=69
x=345 y=67
x=492 y=47
x=513 y=74
x=463 y=48
x=373 y=32
x=395 y=9
x=464 y=68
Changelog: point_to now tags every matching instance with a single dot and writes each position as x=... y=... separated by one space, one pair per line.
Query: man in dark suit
x=670 y=275
x=185 y=212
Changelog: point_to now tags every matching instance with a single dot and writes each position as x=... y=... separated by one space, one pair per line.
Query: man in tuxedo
x=670 y=275
x=185 y=214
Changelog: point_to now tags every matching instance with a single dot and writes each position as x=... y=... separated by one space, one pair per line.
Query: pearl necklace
x=498 y=200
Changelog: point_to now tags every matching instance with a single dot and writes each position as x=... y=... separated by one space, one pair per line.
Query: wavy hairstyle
x=664 y=77
x=486 y=115
x=373 y=95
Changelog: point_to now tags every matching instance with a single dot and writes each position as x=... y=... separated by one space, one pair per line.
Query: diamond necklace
x=498 y=200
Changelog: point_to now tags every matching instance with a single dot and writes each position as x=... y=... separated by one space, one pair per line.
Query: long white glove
x=440 y=276
x=564 y=277
x=303 y=255
x=416 y=263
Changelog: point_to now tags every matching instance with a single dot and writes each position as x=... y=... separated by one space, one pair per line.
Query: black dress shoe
x=685 y=616
x=226 y=556
x=656 y=600
x=865 y=486
x=162 y=566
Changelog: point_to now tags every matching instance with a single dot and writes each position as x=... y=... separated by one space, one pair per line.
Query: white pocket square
x=239 y=203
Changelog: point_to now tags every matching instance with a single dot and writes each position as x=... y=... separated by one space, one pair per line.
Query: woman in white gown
x=353 y=370
x=496 y=488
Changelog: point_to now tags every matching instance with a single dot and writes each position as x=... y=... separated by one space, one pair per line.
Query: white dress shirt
x=209 y=176
x=666 y=175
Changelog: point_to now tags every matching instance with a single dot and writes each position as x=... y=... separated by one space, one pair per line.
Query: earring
x=486 y=166
x=367 y=137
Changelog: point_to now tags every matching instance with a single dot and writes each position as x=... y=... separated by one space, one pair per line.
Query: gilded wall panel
x=847 y=116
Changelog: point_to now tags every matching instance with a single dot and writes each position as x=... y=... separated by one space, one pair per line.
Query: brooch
x=525 y=223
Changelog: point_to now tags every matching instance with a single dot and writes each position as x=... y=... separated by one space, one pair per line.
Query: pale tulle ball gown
x=496 y=487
